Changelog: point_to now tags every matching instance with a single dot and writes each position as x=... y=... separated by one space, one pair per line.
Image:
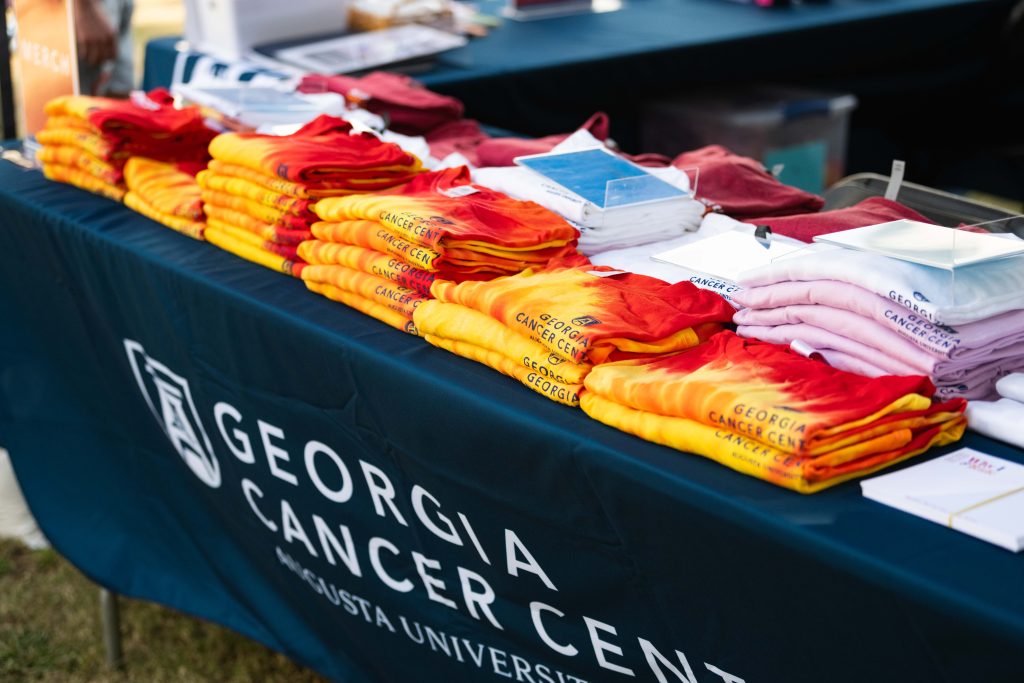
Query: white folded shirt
x=638 y=259
x=968 y=294
x=1002 y=419
x=1012 y=386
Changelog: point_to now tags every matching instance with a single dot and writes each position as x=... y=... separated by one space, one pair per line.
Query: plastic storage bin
x=803 y=130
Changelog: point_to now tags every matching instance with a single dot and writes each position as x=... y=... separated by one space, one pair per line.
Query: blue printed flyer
x=602 y=178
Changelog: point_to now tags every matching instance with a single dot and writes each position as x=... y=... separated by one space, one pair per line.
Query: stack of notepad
x=612 y=201
x=970 y=491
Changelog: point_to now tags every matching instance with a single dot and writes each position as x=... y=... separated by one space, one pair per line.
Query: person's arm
x=96 y=38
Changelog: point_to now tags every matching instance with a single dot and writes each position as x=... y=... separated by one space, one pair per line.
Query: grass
x=50 y=632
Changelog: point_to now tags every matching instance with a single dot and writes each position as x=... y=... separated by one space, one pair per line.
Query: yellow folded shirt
x=67 y=155
x=228 y=242
x=566 y=394
x=164 y=187
x=463 y=324
x=275 y=184
x=83 y=180
x=315 y=252
x=62 y=121
x=363 y=305
x=741 y=453
x=241 y=187
x=82 y=139
x=587 y=316
x=373 y=235
x=193 y=229
x=400 y=299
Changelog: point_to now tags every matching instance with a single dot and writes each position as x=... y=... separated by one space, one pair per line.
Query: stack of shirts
x=1002 y=419
x=549 y=329
x=875 y=315
x=259 y=190
x=167 y=193
x=381 y=252
x=769 y=412
x=87 y=140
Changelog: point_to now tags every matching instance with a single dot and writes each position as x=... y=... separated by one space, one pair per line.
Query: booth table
x=548 y=76
x=193 y=429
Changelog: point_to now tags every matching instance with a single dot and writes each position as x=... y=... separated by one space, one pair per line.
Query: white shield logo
x=174 y=412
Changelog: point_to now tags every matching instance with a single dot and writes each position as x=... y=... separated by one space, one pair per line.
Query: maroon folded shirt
x=503 y=151
x=740 y=187
x=463 y=136
x=870 y=211
x=409 y=107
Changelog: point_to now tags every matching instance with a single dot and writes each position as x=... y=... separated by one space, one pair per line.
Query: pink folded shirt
x=952 y=342
x=969 y=381
x=867 y=331
x=821 y=339
x=978 y=386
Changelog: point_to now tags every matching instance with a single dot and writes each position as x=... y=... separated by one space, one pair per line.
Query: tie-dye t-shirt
x=76 y=157
x=164 y=187
x=324 y=150
x=593 y=316
x=763 y=409
x=83 y=180
x=442 y=209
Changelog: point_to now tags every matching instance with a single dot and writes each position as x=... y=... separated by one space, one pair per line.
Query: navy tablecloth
x=195 y=430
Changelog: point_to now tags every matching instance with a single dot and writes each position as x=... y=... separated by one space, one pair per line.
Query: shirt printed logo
x=170 y=400
x=920 y=297
x=586 y=321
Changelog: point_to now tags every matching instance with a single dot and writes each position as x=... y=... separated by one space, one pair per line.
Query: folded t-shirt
x=748 y=403
x=1000 y=420
x=324 y=150
x=974 y=292
x=740 y=187
x=952 y=342
x=806 y=226
x=76 y=157
x=591 y=316
x=1012 y=386
x=438 y=207
x=165 y=187
x=409 y=107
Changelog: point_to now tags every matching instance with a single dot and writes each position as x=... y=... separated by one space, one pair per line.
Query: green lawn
x=49 y=631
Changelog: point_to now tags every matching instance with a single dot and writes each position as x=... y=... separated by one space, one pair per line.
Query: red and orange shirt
x=593 y=316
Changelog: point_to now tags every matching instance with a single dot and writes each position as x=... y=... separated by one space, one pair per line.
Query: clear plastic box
x=803 y=130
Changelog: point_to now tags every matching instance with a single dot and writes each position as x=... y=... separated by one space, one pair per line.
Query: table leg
x=110 y=620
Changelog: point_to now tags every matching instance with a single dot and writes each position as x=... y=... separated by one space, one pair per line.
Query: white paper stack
x=603 y=226
x=967 y=490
